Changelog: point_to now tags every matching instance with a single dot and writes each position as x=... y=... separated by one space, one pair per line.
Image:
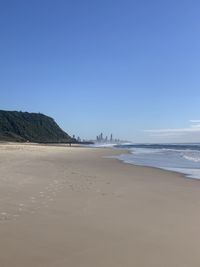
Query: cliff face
x=33 y=127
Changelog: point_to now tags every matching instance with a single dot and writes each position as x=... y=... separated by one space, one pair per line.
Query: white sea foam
x=192 y=158
x=102 y=145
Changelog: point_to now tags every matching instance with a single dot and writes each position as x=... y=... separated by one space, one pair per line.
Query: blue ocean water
x=182 y=158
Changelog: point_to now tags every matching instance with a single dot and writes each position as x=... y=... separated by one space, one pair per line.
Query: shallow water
x=182 y=158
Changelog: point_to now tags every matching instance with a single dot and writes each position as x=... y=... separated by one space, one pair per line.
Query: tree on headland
x=32 y=127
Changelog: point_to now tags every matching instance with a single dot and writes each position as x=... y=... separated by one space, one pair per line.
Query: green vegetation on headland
x=31 y=127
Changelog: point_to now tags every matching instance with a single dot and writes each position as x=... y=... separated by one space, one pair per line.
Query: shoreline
x=127 y=151
x=110 y=149
x=63 y=206
x=183 y=174
x=119 y=153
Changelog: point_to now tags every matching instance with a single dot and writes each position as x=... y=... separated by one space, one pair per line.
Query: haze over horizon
x=130 y=68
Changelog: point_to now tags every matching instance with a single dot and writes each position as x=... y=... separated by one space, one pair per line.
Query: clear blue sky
x=113 y=66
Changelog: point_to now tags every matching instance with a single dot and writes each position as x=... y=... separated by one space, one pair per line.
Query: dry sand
x=70 y=207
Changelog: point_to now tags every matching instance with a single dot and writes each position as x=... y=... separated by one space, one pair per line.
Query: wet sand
x=62 y=206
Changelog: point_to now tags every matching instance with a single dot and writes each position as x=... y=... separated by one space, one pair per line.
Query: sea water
x=182 y=158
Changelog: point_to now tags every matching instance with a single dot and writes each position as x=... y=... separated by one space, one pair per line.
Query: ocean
x=182 y=158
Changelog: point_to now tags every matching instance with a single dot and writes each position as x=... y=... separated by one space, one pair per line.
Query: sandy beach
x=71 y=206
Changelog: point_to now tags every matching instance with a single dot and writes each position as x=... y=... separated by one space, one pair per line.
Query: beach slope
x=64 y=206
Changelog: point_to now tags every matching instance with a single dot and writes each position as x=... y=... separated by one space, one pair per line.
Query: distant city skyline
x=124 y=67
x=101 y=138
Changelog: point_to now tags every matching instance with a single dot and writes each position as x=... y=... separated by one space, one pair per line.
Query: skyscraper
x=111 y=138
